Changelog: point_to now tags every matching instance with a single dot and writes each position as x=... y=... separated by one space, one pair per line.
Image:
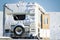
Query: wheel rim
x=18 y=30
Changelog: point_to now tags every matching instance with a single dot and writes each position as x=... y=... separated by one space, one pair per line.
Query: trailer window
x=45 y=20
x=19 y=17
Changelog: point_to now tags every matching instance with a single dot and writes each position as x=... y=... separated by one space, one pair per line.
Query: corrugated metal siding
x=1 y=23
x=54 y=25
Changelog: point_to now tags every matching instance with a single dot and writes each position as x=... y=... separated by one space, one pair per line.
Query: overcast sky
x=48 y=5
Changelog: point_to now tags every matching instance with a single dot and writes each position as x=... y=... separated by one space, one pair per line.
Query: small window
x=7 y=31
x=19 y=17
x=45 y=20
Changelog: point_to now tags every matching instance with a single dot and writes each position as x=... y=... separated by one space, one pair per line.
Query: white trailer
x=24 y=20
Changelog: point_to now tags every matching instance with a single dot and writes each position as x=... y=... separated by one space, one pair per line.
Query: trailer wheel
x=18 y=30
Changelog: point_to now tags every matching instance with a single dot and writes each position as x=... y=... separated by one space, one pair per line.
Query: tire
x=21 y=30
